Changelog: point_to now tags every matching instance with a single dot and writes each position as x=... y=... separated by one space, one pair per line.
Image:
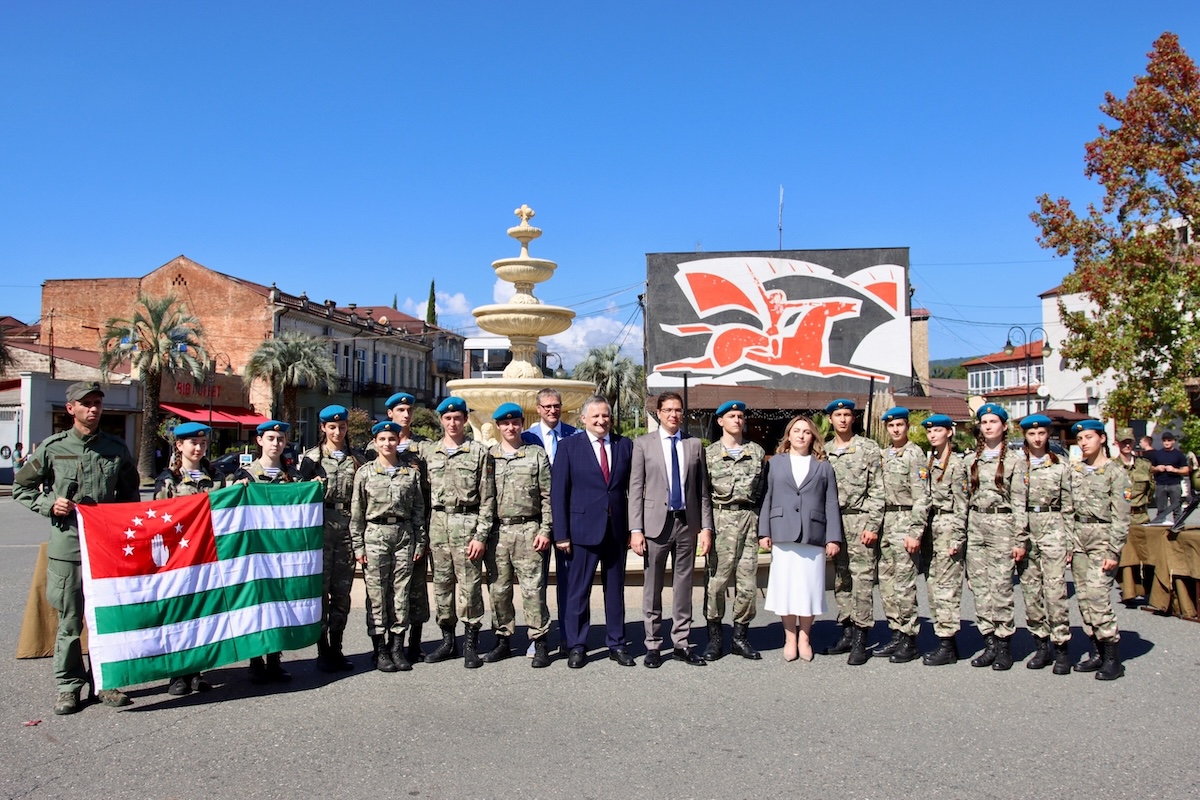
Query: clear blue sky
x=357 y=150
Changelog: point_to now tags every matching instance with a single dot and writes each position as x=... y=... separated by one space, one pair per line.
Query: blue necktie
x=676 y=501
x=551 y=444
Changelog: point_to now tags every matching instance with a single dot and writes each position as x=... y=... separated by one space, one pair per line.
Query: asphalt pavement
x=732 y=729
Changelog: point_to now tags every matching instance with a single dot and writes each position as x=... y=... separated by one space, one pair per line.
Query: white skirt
x=796 y=584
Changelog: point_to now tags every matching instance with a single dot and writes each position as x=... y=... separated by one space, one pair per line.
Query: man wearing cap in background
x=906 y=507
x=333 y=462
x=523 y=533
x=736 y=469
x=463 y=496
x=856 y=462
x=79 y=465
x=1141 y=478
x=1170 y=466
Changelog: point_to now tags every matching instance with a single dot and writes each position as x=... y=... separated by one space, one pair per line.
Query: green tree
x=287 y=363
x=6 y=357
x=1133 y=260
x=431 y=306
x=159 y=338
x=616 y=377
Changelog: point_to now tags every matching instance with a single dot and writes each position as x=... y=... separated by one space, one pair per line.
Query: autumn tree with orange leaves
x=1134 y=258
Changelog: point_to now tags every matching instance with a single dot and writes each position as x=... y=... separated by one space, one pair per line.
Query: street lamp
x=559 y=373
x=1025 y=342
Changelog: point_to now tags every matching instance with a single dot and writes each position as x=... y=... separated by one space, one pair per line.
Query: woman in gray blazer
x=802 y=523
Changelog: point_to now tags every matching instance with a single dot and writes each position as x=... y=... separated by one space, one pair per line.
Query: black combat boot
x=1041 y=656
x=946 y=653
x=336 y=657
x=447 y=649
x=741 y=642
x=907 y=650
x=541 y=654
x=471 y=659
x=858 y=647
x=1062 y=658
x=323 y=663
x=1003 y=659
x=715 y=647
x=258 y=671
x=1110 y=666
x=500 y=652
x=275 y=670
x=413 y=653
x=1091 y=664
x=397 y=650
x=893 y=643
x=843 y=644
x=383 y=654
x=988 y=655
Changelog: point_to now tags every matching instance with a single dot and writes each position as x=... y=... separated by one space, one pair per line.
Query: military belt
x=389 y=520
x=895 y=507
x=1043 y=509
x=518 y=520
x=1137 y=509
x=852 y=511
x=456 y=509
x=938 y=512
x=734 y=506
x=992 y=510
x=1087 y=518
x=343 y=507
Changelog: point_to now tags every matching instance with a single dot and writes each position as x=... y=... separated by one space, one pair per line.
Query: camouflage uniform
x=905 y=511
x=994 y=527
x=338 y=572
x=1044 y=491
x=860 y=495
x=169 y=485
x=522 y=514
x=1141 y=489
x=463 y=500
x=387 y=525
x=1098 y=530
x=948 y=505
x=737 y=486
x=418 y=591
x=87 y=469
x=255 y=472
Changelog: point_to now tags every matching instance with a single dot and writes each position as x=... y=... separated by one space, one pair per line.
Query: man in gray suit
x=669 y=508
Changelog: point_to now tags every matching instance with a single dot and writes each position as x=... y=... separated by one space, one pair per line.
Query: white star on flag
x=128 y=549
x=150 y=512
x=183 y=542
x=129 y=534
x=178 y=528
x=166 y=517
x=137 y=521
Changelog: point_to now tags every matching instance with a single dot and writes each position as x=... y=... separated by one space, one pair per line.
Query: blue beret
x=895 y=413
x=730 y=405
x=388 y=425
x=992 y=408
x=334 y=414
x=401 y=399
x=839 y=404
x=1088 y=425
x=938 y=421
x=1036 y=421
x=508 y=411
x=273 y=425
x=452 y=404
x=189 y=429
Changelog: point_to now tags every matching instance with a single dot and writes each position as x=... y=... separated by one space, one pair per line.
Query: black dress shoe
x=621 y=656
x=577 y=658
x=652 y=659
x=689 y=656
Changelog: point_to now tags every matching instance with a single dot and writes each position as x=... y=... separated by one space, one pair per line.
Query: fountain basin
x=524 y=270
x=513 y=319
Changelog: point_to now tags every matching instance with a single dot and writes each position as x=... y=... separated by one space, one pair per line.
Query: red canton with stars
x=131 y=539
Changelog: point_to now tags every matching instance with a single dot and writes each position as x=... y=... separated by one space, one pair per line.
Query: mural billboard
x=815 y=320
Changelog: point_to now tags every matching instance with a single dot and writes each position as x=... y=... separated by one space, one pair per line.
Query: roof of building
x=1057 y=290
x=1018 y=354
x=88 y=358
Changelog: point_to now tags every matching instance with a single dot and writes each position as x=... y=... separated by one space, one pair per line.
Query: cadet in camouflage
x=1141 y=479
x=523 y=533
x=857 y=463
x=736 y=469
x=1100 y=491
x=945 y=477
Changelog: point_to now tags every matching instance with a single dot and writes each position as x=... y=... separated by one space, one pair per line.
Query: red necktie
x=603 y=460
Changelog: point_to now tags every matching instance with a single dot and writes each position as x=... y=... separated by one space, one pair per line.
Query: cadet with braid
x=996 y=536
x=946 y=478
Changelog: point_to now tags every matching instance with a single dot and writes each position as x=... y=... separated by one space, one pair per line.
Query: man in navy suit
x=589 y=487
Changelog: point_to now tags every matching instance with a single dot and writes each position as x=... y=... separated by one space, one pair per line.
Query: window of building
x=360 y=366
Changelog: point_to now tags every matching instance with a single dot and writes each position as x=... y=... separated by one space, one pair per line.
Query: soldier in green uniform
x=856 y=462
x=1042 y=488
x=996 y=535
x=387 y=529
x=334 y=462
x=906 y=507
x=736 y=469
x=1141 y=479
x=523 y=533
x=188 y=473
x=79 y=465
x=269 y=468
x=463 y=499
x=946 y=481
x=1099 y=527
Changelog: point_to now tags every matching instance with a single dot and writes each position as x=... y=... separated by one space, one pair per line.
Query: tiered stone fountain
x=524 y=320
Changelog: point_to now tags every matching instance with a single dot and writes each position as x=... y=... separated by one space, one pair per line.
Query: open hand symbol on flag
x=159 y=550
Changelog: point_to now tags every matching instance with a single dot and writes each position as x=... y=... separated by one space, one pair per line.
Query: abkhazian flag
x=174 y=587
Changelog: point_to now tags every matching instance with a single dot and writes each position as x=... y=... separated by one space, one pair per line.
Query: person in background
x=1141 y=478
x=1170 y=467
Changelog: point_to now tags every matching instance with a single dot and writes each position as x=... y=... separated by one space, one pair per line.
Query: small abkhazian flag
x=175 y=587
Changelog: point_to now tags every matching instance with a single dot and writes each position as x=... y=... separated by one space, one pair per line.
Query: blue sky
x=358 y=150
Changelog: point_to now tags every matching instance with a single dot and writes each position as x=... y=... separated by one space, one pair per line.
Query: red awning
x=222 y=416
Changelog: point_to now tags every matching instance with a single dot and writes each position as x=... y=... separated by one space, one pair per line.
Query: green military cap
x=78 y=391
x=1125 y=435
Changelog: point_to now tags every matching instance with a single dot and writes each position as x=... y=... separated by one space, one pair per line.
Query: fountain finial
x=525 y=213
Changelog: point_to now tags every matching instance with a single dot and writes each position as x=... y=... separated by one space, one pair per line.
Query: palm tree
x=6 y=356
x=617 y=378
x=159 y=338
x=288 y=362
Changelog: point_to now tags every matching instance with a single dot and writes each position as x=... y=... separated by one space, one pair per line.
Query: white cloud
x=454 y=310
x=589 y=332
x=503 y=291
